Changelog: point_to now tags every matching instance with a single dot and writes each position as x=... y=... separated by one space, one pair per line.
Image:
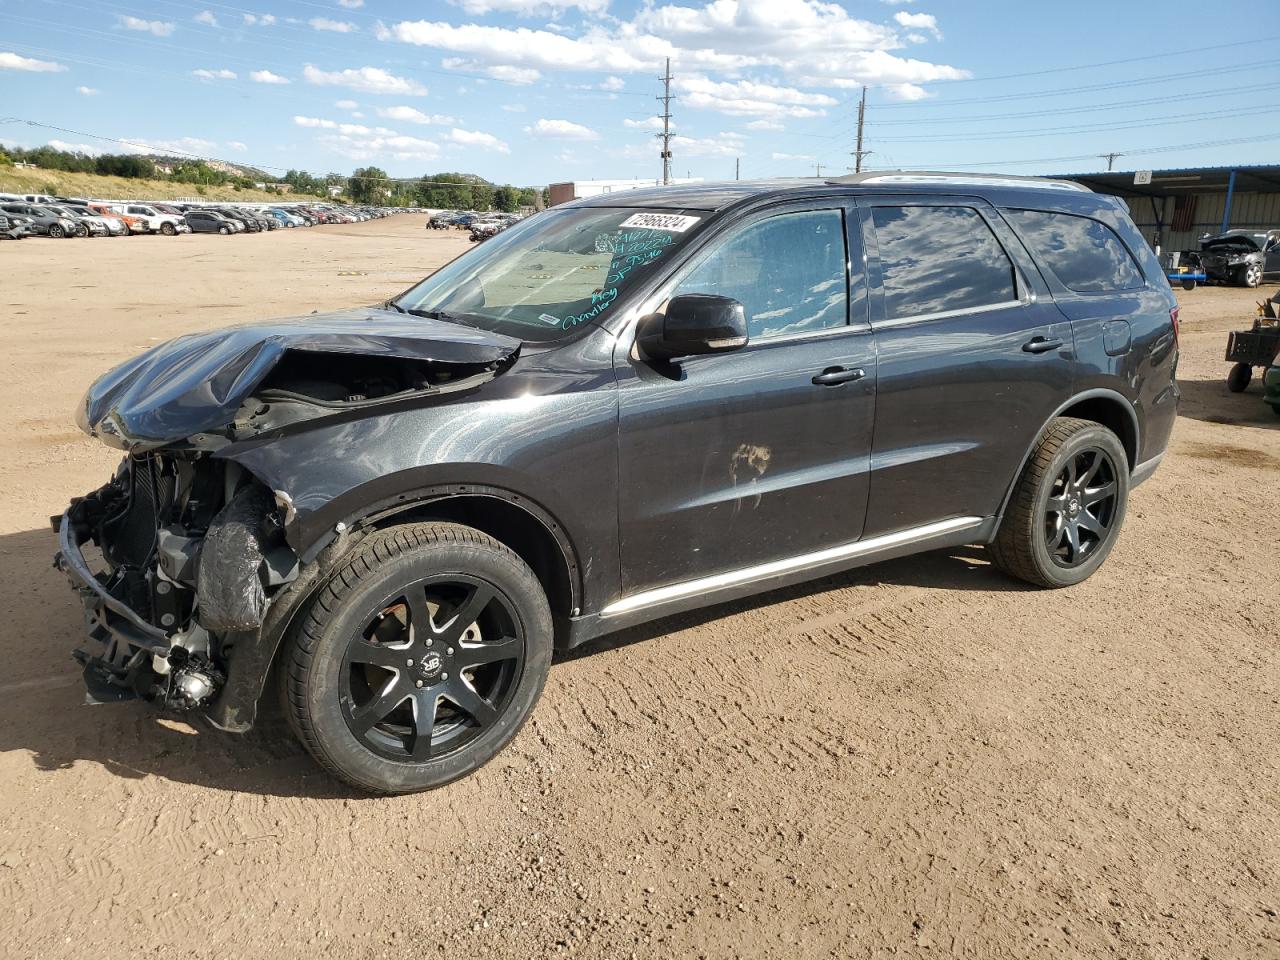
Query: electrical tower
x=666 y=99
x=1110 y=158
x=858 y=152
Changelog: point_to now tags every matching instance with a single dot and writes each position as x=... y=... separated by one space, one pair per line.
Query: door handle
x=1041 y=345
x=834 y=376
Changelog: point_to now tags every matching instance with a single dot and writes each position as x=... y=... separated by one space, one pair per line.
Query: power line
x=1204 y=144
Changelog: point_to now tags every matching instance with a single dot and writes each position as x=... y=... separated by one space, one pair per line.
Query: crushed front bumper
x=118 y=663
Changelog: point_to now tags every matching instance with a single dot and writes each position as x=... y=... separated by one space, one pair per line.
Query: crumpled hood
x=197 y=382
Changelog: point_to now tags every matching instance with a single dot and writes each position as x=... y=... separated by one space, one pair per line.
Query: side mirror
x=695 y=323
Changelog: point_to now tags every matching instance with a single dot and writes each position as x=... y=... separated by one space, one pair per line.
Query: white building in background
x=577 y=189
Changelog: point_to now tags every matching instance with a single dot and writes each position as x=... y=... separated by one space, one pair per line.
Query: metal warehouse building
x=1175 y=208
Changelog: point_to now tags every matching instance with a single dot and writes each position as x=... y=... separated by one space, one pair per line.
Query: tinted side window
x=788 y=272
x=1086 y=255
x=934 y=259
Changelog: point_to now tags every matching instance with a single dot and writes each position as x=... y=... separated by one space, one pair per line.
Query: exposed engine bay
x=192 y=548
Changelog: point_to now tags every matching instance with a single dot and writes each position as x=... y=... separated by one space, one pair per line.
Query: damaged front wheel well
x=538 y=542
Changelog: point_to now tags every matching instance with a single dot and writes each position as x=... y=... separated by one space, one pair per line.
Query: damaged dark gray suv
x=618 y=409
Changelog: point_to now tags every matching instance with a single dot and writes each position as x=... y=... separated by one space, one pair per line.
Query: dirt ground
x=919 y=759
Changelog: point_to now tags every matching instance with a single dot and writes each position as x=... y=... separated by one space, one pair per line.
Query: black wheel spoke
x=378 y=654
x=363 y=718
x=479 y=596
x=1095 y=495
x=1073 y=540
x=1091 y=523
x=1093 y=468
x=419 y=613
x=480 y=709
x=476 y=655
x=424 y=724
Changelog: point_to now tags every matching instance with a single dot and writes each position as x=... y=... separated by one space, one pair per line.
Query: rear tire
x=419 y=659
x=1239 y=376
x=1067 y=507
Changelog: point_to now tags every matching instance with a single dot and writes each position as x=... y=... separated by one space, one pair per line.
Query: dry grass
x=61 y=183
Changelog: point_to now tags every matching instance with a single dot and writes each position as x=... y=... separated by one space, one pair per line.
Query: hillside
x=62 y=183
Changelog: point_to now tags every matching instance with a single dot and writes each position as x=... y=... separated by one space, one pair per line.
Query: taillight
x=1173 y=315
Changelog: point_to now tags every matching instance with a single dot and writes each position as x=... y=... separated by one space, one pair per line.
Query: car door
x=973 y=358
x=736 y=459
x=1271 y=258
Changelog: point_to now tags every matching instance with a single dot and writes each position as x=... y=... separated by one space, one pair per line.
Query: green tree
x=506 y=199
x=368 y=185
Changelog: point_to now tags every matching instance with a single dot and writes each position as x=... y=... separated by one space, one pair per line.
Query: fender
x=1095 y=393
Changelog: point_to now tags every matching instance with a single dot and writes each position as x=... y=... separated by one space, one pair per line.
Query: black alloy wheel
x=433 y=668
x=1067 y=507
x=1081 y=507
x=419 y=658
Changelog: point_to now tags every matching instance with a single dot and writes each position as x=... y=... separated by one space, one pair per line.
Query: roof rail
x=967 y=179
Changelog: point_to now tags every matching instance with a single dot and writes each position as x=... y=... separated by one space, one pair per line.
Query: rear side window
x=939 y=259
x=1086 y=255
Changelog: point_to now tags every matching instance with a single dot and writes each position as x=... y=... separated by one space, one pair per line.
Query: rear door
x=735 y=459
x=973 y=358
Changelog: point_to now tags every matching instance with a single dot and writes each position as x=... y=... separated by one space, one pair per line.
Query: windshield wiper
x=394 y=306
x=438 y=315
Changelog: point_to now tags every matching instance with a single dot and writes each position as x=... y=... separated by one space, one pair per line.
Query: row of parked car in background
x=482 y=225
x=60 y=217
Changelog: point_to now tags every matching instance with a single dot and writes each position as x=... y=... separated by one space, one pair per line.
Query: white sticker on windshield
x=670 y=222
x=548 y=318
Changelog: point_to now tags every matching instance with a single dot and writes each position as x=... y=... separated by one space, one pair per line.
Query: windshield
x=551 y=275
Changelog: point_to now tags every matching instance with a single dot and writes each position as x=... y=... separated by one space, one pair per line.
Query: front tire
x=1067 y=507
x=1250 y=275
x=168 y=229
x=57 y=232
x=1239 y=376
x=419 y=659
x=224 y=230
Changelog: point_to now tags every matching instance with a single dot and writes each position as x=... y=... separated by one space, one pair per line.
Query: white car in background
x=157 y=222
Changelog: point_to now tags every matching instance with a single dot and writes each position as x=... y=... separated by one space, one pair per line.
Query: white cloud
x=797 y=38
x=347 y=129
x=509 y=74
x=334 y=26
x=649 y=123
x=476 y=138
x=765 y=125
x=159 y=28
x=381 y=147
x=183 y=145
x=531 y=8
x=206 y=17
x=612 y=84
x=214 y=74
x=351 y=4
x=11 y=61
x=86 y=149
x=87 y=91
x=906 y=91
x=237 y=146
x=793 y=156
x=364 y=79
x=746 y=98
x=721 y=145
x=560 y=130
x=918 y=21
x=259 y=20
x=413 y=115
x=345 y=104
x=266 y=76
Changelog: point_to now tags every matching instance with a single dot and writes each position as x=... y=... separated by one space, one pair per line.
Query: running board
x=708 y=587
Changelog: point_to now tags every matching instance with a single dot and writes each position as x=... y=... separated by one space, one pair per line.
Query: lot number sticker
x=671 y=222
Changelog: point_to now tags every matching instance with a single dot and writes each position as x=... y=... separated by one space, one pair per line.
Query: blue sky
x=536 y=91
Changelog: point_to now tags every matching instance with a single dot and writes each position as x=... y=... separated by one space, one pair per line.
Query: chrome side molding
x=764 y=571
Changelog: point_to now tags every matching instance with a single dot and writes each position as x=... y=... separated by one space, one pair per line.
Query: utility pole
x=858 y=152
x=817 y=168
x=1110 y=158
x=666 y=124
x=737 y=167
